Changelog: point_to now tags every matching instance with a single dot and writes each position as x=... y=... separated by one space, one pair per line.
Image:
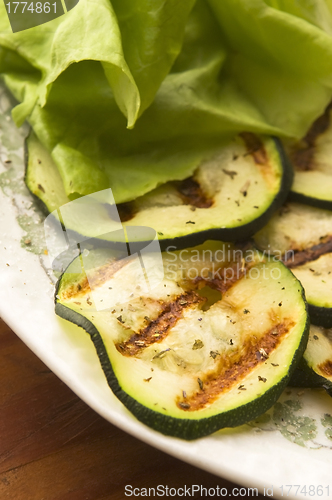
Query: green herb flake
x=161 y=354
x=198 y=344
x=184 y=406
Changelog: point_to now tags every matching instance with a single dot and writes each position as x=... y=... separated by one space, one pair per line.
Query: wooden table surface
x=54 y=447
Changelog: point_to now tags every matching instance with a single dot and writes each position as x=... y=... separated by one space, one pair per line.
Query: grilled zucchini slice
x=229 y=197
x=315 y=369
x=211 y=345
x=301 y=236
x=312 y=161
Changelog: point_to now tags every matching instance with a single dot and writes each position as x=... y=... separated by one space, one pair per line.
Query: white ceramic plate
x=291 y=445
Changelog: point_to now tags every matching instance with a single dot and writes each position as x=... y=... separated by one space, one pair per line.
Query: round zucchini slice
x=315 y=369
x=312 y=161
x=211 y=344
x=229 y=197
x=301 y=236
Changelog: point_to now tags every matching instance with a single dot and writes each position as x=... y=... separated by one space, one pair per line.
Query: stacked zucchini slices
x=300 y=234
x=215 y=337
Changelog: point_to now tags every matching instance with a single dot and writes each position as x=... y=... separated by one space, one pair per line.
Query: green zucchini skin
x=309 y=200
x=308 y=373
x=48 y=200
x=306 y=377
x=189 y=428
x=320 y=316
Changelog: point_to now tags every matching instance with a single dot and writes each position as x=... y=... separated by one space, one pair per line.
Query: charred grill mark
x=192 y=194
x=158 y=329
x=77 y=289
x=104 y=273
x=126 y=211
x=302 y=159
x=232 y=370
x=298 y=258
x=319 y=126
x=303 y=155
x=326 y=368
x=223 y=279
x=98 y=277
x=255 y=148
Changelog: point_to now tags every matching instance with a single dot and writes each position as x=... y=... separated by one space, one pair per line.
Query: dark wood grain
x=54 y=447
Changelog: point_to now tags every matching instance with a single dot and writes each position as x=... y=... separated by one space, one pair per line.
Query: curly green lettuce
x=130 y=94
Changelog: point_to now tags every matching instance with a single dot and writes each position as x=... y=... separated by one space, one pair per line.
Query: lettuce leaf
x=281 y=62
x=99 y=30
x=187 y=77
